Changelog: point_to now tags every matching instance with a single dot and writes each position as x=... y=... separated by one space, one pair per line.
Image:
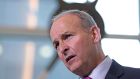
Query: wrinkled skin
x=77 y=47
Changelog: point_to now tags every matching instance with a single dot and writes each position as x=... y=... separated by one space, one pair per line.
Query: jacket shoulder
x=118 y=71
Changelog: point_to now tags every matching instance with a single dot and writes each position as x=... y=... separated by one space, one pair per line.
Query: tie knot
x=87 y=78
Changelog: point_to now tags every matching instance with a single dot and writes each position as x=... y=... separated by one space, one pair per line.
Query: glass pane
x=120 y=16
x=27 y=13
x=22 y=59
x=61 y=72
x=91 y=0
x=125 y=51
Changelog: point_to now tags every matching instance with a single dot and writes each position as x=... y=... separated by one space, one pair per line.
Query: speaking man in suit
x=77 y=40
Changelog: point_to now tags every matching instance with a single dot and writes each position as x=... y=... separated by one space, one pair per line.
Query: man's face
x=74 y=44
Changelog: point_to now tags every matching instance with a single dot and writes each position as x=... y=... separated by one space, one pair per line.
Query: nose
x=63 y=49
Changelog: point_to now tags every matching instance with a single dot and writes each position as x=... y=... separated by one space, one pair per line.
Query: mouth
x=69 y=58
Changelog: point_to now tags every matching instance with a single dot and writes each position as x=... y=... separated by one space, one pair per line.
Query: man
x=76 y=38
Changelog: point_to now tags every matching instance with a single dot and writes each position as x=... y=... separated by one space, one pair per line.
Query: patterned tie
x=87 y=78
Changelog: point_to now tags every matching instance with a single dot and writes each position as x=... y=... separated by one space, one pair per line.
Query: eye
x=56 y=44
x=67 y=36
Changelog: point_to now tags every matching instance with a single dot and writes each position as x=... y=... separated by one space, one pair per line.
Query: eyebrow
x=54 y=42
x=61 y=35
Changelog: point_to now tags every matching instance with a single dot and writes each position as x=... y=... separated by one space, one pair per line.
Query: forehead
x=68 y=20
x=66 y=23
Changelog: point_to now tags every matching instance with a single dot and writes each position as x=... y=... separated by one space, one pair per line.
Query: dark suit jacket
x=117 y=71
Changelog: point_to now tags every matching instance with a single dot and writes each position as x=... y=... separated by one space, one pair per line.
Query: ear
x=95 y=32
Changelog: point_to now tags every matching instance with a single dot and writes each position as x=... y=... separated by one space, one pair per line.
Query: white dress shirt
x=101 y=70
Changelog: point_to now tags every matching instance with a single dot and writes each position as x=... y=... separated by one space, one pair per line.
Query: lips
x=70 y=57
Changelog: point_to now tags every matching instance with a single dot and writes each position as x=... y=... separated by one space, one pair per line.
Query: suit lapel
x=115 y=71
x=109 y=76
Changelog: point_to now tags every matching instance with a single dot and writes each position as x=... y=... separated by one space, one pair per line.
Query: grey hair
x=86 y=19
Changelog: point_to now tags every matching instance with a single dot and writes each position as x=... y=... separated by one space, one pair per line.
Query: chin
x=76 y=68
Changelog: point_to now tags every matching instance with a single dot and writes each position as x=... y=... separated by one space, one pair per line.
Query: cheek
x=80 y=46
x=84 y=48
x=76 y=44
x=61 y=57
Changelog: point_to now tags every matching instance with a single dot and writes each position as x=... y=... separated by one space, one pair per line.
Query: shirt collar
x=101 y=70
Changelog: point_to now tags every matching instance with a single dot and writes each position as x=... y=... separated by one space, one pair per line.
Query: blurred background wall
x=26 y=51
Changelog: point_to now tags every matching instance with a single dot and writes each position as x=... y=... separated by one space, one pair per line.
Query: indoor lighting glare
x=31 y=21
x=46 y=51
x=75 y=1
x=33 y=5
x=28 y=65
